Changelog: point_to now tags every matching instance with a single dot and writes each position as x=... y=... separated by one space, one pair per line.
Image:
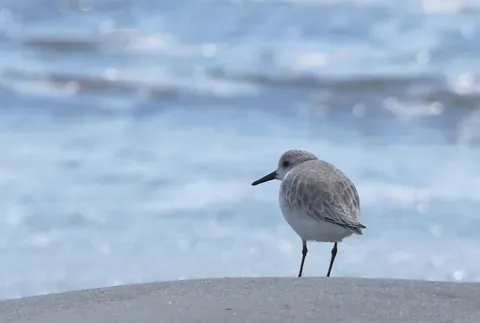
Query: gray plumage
x=317 y=200
x=324 y=192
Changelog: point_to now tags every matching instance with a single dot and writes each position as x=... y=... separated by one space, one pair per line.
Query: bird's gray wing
x=332 y=199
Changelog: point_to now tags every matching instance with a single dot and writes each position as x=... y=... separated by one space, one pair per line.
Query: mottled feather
x=324 y=192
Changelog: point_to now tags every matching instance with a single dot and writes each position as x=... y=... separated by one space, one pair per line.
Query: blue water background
x=130 y=132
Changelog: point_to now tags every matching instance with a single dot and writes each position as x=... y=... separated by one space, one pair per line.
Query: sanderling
x=317 y=200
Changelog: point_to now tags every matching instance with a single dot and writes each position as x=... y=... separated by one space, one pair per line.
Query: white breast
x=310 y=229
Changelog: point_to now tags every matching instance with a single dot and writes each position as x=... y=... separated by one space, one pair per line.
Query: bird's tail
x=357 y=229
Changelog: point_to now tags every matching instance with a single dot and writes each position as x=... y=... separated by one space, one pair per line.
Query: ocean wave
x=432 y=94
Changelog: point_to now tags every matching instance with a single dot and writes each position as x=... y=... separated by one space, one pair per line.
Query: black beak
x=265 y=178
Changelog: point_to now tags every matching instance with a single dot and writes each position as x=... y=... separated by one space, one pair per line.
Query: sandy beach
x=256 y=300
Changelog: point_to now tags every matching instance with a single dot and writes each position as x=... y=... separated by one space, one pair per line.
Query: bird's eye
x=286 y=163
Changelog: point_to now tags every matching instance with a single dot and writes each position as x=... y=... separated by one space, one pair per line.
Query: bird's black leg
x=334 y=253
x=304 y=254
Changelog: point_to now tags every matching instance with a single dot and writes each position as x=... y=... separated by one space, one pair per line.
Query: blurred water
x=131 y=131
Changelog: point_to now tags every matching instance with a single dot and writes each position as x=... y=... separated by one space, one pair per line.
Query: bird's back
x=324 y=192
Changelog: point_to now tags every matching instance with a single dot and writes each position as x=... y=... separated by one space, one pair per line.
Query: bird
x=317 y=200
